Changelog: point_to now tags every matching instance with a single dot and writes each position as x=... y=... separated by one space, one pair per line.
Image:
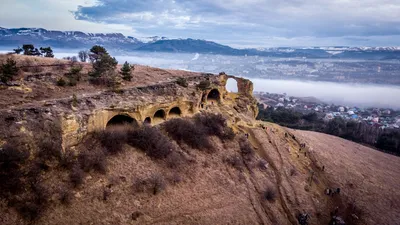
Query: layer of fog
x=362 y=95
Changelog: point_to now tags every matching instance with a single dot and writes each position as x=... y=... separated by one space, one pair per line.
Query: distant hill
x=11 y=38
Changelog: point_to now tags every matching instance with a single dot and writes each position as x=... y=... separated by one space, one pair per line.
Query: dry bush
x=93 y=160
x=49 y=149
x=235 y=161
x=108 y=81
x=29 y=210
x=214 y=124
x=32 y=205
x=65 y=195
x=76 y=176
x=175 y=179
x=182 y=130
x=135 y=215
x=37 y=69
x=114 y=139
x=270 y=194
x=262 y=164
x=245 y=149
x=59 y=65
x=182 y=82
x=154 y=184
x=151 y=141
x=26 y=65
x=353 y=214
x=67 y=160
x=13 y=157
x=106 y=193
x=293 y=171
x=61 y=82
x=175 y=160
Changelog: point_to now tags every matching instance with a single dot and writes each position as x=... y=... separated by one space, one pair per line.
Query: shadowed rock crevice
x=214 y=95
x=122 y=120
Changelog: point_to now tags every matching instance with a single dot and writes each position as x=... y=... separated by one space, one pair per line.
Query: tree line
x=358 y=131
x=29 y=49
x=103 y=65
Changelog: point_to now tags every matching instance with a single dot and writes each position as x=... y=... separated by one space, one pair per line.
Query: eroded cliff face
x=82 y=114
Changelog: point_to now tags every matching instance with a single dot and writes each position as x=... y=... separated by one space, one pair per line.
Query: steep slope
x=66 y=163
x=368 y=177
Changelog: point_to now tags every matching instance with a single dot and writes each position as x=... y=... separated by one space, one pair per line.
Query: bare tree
x=83 y=56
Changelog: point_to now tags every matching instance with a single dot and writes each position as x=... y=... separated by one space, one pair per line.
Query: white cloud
x=252 y=22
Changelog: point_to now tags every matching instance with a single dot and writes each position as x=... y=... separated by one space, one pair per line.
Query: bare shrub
x=246 y=149
x=49 y=149
x=186 y=131
x=61 y=82
x=93 y=160
x=293 y=172
x=30 y=210
x=270 y=194
x=37 y=69
x=204 y=85
x=235 y=161
x=65 y=196
x=12 y=159
x=33 y=204
x=76 y=176
x=175 y=160
x=214 y=124
x=175 y=179
x=135 y=215
x=67 y=160
x=154 y=184
x=182 y=82
x=26 y=65
x=106 y=193
x=151 y=141
x=262 y=164
x=353 y=214
x=114 y=139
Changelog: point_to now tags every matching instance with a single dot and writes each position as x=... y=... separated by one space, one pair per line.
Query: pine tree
x=18 y=50
x=47 y=52
x=96 y=52
x=28 y=49
x=126 y=71
x=8 y=70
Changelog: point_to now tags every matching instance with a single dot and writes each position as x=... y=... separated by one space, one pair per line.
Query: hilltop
x=173 y=147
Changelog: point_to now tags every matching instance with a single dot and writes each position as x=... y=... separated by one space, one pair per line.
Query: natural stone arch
x=121 y=120
x=147 y=120
x=214 y=95
x=159 y=116
x=232 y=85
x=174 y=112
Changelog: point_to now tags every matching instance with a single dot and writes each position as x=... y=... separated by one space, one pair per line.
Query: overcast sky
x=239 y=23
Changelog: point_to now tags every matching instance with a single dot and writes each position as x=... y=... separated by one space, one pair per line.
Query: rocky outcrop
x=154 y=104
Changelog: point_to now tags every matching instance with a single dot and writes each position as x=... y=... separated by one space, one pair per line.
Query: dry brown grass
x=39 y=76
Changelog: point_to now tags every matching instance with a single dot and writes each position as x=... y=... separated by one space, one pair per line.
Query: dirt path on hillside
x=278 y=184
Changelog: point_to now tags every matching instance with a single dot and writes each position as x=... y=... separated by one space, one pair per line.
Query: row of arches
x=159 y=116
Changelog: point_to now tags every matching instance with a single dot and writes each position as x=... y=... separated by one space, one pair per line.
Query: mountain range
x=11 y=38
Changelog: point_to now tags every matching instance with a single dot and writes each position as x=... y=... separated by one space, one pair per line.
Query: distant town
x=380 y=117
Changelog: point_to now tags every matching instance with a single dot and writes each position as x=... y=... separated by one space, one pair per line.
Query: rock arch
x=174 y=112
x=159 y=116
x=121 y=120
x=232 y=85
x=147 y=120
x=214 y=95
